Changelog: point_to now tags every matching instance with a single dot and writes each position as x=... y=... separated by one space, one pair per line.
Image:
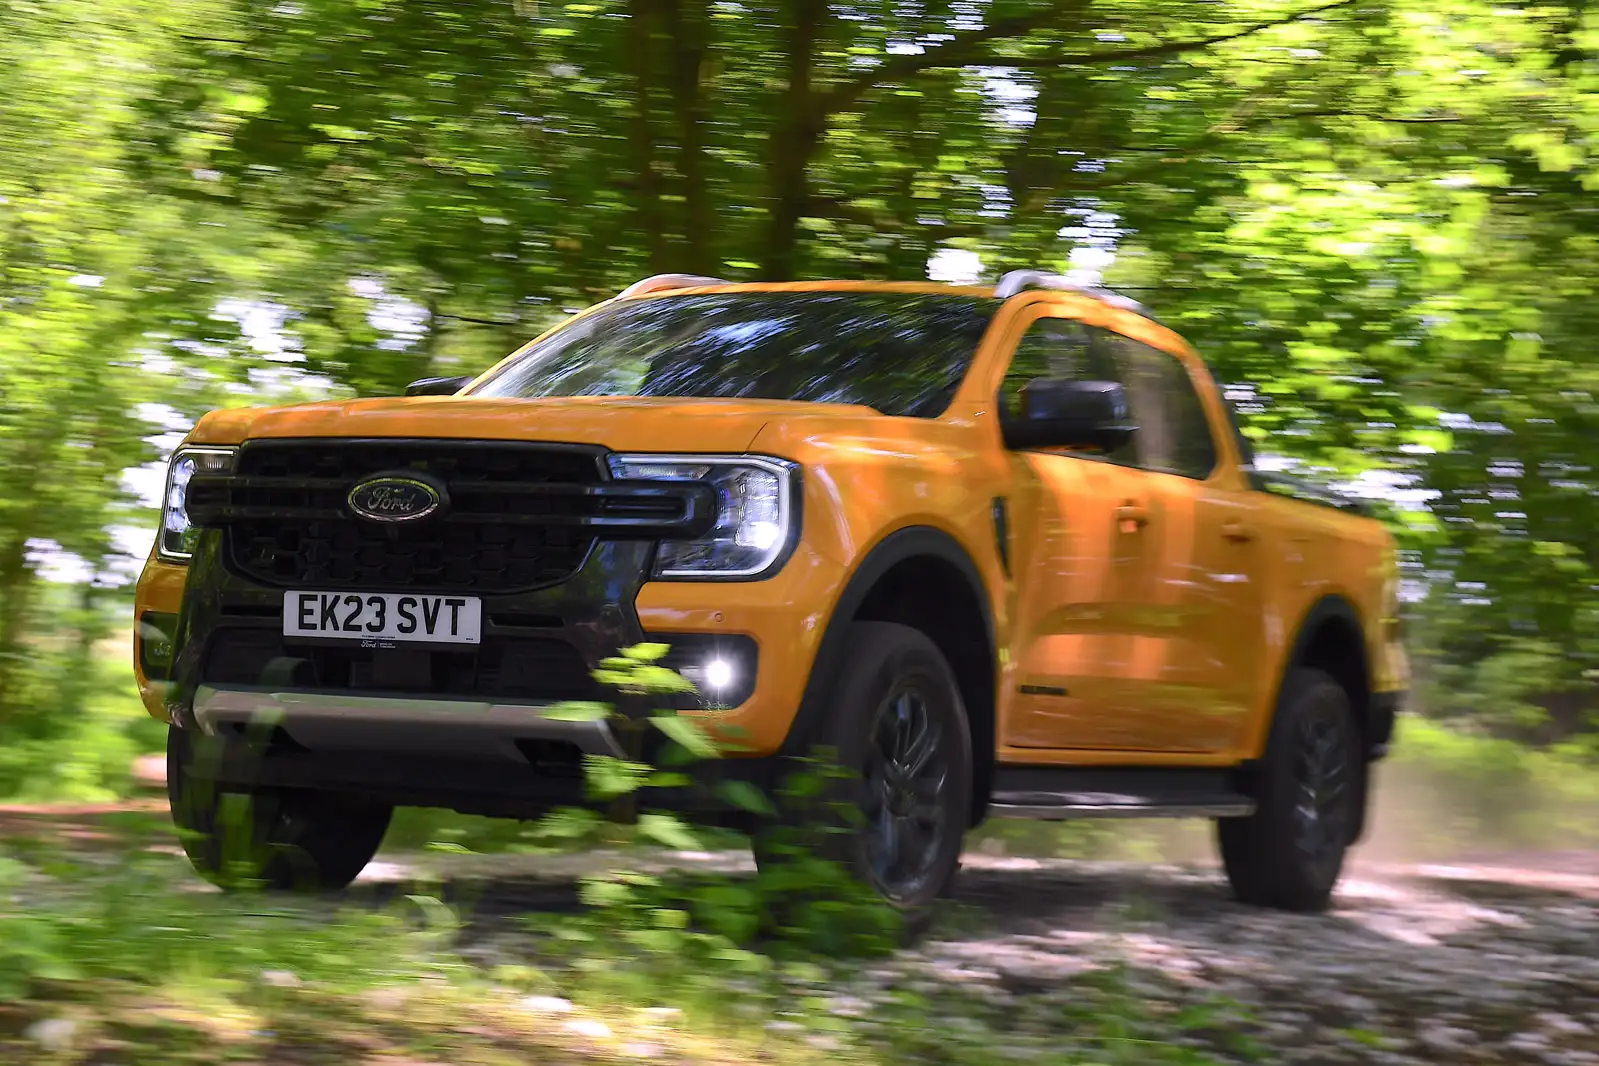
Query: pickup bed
x=1001 y=550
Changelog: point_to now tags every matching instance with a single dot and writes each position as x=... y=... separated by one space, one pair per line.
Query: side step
x=1059 y=793
x=1064 y=805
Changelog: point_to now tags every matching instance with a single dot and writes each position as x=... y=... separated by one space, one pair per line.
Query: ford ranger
x=1001 y=550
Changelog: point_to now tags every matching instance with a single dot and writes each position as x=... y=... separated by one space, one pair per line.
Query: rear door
x=1199 y=631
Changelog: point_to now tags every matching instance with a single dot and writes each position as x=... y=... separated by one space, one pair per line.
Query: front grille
x=339 y=553
x=518 y=517
x=532 y=669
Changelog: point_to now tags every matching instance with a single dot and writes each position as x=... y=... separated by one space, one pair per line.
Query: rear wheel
x=1290 y=852
x=896 y=724
x=295 y=839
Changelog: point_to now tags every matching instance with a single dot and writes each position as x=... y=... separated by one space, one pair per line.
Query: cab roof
x=1012 y=284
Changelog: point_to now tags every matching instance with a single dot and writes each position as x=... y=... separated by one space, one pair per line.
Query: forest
x=1378 y=220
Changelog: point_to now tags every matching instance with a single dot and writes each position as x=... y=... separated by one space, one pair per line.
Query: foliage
x=801 y=900
x=80 y=927
x=1372 y=216
x=1447 y=793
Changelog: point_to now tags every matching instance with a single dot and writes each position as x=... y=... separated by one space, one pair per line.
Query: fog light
x=713 y=676
x=155 y=644
x=718 y=674
x=722 y=668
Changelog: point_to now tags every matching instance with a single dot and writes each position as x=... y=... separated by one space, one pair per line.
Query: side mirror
x=1062 y=413
x=437 y=386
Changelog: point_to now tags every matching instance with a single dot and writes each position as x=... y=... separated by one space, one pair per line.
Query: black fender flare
x=1330 y=607
x=899 y=546
x=1334 y=607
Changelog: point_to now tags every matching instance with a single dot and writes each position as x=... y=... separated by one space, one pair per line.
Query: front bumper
x=456 y=728
x=603 y=608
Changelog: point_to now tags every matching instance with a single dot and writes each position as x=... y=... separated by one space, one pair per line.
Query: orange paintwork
x=160 y=589
x=1170 y=637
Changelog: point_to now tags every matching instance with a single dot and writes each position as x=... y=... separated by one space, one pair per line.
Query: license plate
x=383 y=619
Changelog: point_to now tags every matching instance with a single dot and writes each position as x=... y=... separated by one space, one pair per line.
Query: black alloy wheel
x=896 y=727
x=906 y=774
x=1312 y=779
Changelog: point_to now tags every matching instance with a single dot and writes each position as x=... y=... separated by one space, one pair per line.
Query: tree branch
x=475 y=321
x=971 y=49
x=1289 y=116
x=963 y=50
x=1120 y=55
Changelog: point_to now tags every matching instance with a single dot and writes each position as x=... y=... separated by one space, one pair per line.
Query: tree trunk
x=795 y=139
x=689 y=22
x=641 y=24
x=16 y=599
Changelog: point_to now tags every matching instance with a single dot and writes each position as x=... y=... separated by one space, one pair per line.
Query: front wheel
x=896 y=724
x=1290 y=852
x=287 y=839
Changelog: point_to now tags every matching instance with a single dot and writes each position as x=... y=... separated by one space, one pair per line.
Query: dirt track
x=1413 y=964
x=1496 y=961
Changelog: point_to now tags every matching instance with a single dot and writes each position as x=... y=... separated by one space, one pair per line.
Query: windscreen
x=899 y=353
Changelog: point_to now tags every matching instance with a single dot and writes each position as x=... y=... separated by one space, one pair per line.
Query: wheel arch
x=921 y=577
x=1332 y=638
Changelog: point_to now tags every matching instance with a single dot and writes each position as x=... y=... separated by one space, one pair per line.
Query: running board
x=1062 y=792
x=1067 y=805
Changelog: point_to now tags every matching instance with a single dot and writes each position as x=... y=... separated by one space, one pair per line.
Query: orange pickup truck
x=1001 y=549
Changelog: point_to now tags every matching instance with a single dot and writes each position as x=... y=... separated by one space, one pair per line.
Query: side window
x=1065 y=348
x=1174 y=436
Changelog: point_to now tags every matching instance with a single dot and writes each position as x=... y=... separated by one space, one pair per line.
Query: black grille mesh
x=502 y=667
x=515 y=520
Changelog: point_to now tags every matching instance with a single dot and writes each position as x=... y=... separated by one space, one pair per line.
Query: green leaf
x=745 y=796
x=578 y=711
x=686 y=732
x=609 y=777
x=668 y=830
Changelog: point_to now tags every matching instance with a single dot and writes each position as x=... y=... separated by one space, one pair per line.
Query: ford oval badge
x=391 y=498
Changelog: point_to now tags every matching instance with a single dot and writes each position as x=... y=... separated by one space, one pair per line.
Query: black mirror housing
x=1063 y=413
x=437 y=386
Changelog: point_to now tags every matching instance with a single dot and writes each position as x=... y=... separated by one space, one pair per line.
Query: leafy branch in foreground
x=802 y=903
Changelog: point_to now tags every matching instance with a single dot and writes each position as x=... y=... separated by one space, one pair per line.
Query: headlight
x=176 y=542
x=754 y=514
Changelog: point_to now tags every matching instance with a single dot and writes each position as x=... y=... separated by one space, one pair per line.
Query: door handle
x=1131 y=517
x=1237 y=531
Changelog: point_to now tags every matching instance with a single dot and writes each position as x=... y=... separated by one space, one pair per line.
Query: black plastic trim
x=594 y=608
x=1381 y=716
x=894 y=549
x=1001 y=513
x=155 y=629
x=685 y=647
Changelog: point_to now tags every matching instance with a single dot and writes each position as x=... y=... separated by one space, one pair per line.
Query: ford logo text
x=389 y=498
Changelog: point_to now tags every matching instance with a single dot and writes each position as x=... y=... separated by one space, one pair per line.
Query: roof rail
x=1017 y=281
x=668 y=281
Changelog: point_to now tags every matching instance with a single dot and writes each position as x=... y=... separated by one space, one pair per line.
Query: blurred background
x=1377 y=219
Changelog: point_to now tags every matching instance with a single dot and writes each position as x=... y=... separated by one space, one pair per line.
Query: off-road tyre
x=1289 y=854
x=894 y=694
x=281 y=839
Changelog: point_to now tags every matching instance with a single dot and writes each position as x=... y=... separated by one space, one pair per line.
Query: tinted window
x=902 y=354
x=1173 y=433
x=1064 y=348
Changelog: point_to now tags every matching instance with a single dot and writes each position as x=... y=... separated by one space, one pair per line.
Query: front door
x=1087 y=530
